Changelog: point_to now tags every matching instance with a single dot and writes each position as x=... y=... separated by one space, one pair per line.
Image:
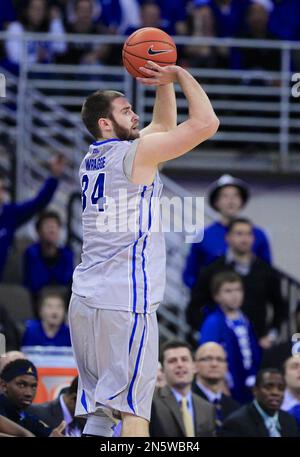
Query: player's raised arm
x=202 y=123
x=164 y=111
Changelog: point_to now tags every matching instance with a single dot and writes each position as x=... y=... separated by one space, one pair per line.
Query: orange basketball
x=145 y=44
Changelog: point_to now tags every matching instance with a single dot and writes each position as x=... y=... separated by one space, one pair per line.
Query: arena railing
x=258 y=109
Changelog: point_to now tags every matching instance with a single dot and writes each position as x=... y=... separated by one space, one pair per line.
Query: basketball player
x=120 y=281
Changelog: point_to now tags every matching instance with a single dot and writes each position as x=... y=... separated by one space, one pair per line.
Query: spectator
x=291 y=400
x=119 y=15
x=45 y=263
x=61 y=409
x=85 y=53
x=263 y=417
x=176 y=411
x=19 y=383
x=228 y=326
x=174 y=14
x=227 y=196
x=261 y=284
x=284 y=20
x=13 y=215
x=9 y=329
x=50 y=329
x=34 y=17
x=10 y=428
x=228 y=15
x=211 y=367
x=257 y=19
x=202 y=25
x=150 y=17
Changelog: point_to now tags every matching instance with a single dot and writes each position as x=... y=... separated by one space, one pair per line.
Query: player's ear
x=104 y=124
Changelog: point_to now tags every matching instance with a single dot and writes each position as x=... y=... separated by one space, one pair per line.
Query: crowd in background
x=252 y=19
x=233 y=287
x=232 y=377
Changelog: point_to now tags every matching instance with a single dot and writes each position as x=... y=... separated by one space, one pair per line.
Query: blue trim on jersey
x=133 y=332
x=129 y=396
x=133 y=276
x=144 y=274
x=143 y=254
x=150 y=214
x=134 y=251
x=98 y=143
x=141 y=211
x=83 y=401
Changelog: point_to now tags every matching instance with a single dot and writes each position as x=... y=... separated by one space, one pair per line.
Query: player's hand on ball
x=155 y=75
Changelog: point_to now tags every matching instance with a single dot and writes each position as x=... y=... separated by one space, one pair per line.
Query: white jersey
x=123 y=258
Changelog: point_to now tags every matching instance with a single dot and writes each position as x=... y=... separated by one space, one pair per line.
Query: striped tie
x=187 y=419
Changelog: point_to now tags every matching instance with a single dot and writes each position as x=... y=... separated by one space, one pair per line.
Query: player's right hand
x=157 y=75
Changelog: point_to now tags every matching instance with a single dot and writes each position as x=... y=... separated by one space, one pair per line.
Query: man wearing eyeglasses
x=209 y=382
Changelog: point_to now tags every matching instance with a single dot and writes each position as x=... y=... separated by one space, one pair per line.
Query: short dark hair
x=98 y=105
x=45 y=295
x=260 y=374
x=174 y=344
x=47 y=215
x=221 y=278
x=238 y=220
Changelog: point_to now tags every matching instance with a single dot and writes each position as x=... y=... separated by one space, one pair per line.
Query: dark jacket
x=261 y=286
x=51 y=412
x=214 y=245
x=228 y=405
x=248 y=422
x=23 y=418
x=166 y=419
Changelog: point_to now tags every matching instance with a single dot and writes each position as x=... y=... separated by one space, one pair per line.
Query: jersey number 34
x=98 y=194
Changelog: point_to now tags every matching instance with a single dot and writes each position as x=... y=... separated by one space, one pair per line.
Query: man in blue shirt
x=227 y=195
x=13 y=215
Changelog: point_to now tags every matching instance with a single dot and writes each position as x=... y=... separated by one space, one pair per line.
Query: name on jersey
x=95 y=164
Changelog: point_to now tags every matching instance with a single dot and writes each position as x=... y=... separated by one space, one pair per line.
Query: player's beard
x=122 y=133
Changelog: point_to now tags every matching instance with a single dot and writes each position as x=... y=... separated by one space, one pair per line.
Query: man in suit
x=263 y=417
x=62 y=408
x=209 y=383
x=176 y=411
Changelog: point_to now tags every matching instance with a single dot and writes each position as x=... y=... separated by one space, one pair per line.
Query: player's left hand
x=57 y=165
x=157 y=75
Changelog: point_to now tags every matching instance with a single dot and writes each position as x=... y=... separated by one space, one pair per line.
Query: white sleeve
x=129 y=158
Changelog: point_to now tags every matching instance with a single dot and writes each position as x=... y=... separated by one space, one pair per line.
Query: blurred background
x=53 y=53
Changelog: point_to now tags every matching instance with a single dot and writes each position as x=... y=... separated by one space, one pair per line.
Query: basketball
x=145 y=44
